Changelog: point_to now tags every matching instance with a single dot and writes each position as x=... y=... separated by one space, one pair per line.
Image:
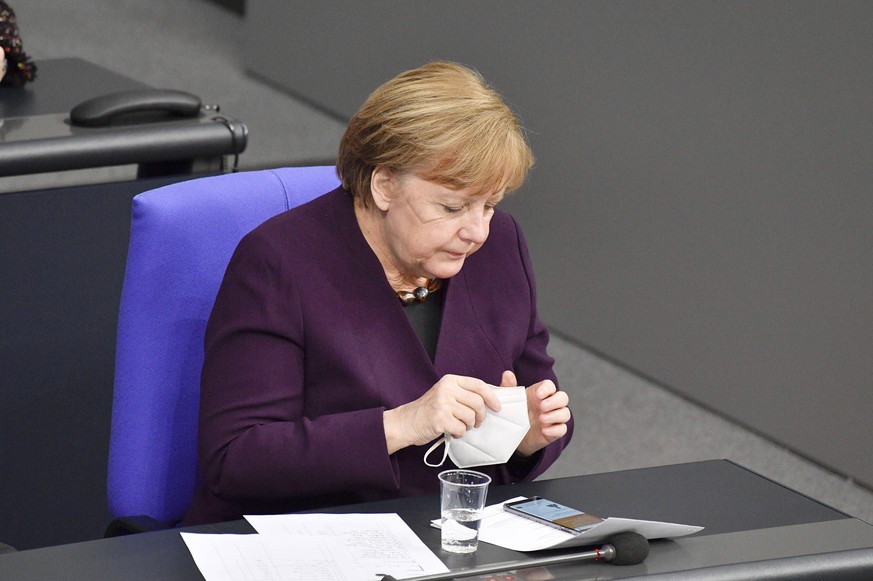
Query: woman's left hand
x=547 y=410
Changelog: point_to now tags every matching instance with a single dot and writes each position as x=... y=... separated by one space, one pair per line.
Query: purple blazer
x=307 y=345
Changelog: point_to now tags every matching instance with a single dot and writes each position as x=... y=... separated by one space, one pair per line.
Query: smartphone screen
x=553 y=514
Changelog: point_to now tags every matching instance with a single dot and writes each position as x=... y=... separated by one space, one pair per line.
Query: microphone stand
x=605 y=553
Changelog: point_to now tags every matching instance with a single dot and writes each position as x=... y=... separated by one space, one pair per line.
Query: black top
x=425 y=319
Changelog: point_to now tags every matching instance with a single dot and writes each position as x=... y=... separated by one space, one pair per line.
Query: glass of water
x=462 y=501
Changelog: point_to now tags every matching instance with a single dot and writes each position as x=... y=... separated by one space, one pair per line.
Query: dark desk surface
x=36 y=135
x=60 y=85
x=748 y=518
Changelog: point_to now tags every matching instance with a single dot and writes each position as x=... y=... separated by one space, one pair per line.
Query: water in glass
x=460 y=529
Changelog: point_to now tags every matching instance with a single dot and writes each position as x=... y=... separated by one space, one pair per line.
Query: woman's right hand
x=453 y=405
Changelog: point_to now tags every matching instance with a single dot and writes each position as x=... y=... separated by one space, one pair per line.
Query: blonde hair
x=441 y=122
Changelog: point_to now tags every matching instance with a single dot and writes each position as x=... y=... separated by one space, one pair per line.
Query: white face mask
x=494 y=441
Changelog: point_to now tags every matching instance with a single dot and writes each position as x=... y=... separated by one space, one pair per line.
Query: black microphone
x=627 y=548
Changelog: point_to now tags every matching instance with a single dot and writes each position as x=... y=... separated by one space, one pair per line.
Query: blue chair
x=181 y=239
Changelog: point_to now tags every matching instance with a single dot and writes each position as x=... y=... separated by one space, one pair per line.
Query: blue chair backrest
x=181 y=239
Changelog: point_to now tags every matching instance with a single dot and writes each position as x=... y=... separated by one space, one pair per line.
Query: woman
x=350 y=332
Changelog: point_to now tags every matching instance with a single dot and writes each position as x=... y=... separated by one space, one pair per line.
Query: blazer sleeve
x=255 y=441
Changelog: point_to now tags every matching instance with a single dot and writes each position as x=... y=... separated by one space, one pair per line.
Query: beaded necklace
x=419 y=294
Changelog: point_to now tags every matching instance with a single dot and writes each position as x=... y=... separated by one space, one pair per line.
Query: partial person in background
x=352 y=331
x=16 y=67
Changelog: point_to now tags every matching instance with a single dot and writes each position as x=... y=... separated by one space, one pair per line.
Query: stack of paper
x=315 y=547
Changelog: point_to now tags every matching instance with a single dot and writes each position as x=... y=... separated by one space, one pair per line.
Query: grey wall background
x=62 y=252
x=701 y=207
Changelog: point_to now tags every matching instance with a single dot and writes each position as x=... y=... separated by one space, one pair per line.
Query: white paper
x=377 y=543
x=226 y=557
x=509 y=531
x=315 y=547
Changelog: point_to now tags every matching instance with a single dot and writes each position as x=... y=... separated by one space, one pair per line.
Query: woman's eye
x=451 y=209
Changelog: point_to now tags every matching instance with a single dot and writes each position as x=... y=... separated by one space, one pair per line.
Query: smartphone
x=553 y=514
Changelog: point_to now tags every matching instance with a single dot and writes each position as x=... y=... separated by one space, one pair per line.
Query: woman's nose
x=475 y=229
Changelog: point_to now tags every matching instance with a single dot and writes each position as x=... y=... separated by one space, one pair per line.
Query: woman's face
x=428 y=229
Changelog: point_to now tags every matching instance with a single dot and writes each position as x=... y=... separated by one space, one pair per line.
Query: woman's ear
x=383 y=187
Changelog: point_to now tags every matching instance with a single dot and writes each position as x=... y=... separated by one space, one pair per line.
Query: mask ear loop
x=443 y=440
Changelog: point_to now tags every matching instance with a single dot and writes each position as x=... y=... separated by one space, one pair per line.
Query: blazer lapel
x=390 y=339
x=464 y=348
